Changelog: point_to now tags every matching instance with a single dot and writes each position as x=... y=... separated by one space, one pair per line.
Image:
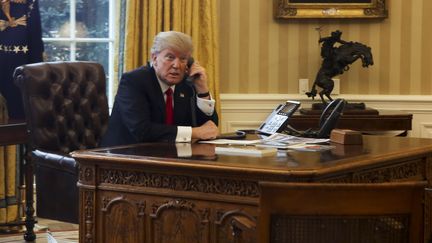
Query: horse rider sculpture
x=336 y=60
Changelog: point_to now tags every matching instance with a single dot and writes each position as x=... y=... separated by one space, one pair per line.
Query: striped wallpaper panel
x=259 y=54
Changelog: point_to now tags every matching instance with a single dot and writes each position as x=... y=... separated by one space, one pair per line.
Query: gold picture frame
x=297 y=9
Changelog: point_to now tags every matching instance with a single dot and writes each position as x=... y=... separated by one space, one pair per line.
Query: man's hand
x=201 y=82
x=208 y=130
x=203 y=149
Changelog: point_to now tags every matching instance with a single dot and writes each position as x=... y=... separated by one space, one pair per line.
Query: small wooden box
x=345 y=136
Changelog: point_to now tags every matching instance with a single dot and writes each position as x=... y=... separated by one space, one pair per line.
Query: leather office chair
x=66 y=109
x=314 y=212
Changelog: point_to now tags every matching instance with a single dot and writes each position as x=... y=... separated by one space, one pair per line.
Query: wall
x=262 y=55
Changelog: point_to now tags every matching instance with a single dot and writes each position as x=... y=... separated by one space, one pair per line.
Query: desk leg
x=29 y=235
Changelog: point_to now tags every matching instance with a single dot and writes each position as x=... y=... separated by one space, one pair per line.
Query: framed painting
x=287 y=9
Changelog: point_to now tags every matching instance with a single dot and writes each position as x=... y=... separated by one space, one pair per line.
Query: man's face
x=170 y=65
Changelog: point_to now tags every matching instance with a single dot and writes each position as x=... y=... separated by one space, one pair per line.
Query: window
x=80 y=30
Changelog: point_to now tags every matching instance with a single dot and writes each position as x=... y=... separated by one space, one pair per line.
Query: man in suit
x=145 y=111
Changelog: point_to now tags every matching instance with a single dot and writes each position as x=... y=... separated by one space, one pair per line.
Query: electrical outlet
x=336 y=87
x=303 y=85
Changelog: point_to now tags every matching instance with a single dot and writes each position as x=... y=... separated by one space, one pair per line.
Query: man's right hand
x=207 y=131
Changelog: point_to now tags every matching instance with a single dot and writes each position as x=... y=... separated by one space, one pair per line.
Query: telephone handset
x=190 y=82
x=329 y=118
x=192 y=78
x=278 y=119
x=190 y=62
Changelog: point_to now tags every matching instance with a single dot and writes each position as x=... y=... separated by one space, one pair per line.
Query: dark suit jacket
x=138 y=114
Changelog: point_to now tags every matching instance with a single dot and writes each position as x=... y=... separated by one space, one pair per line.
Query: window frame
x=72 y=40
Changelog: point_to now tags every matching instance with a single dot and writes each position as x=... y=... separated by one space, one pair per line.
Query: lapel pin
x=182 y=95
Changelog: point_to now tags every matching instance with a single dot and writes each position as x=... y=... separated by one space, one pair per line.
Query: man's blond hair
x=172 y=39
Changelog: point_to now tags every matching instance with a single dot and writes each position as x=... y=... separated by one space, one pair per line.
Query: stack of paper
x=246 y=151
x=269 y=145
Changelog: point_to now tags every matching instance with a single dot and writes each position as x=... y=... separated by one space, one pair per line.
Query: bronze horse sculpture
x=336 y=61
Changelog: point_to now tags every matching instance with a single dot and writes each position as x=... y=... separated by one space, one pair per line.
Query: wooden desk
x=382 y=122
x=146 y=193
x=15 y=133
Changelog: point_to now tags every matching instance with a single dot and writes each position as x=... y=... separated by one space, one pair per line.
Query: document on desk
x=279 y=138
x=310 y=147
x=246 y=151
x=231 y=141
x=276 y=139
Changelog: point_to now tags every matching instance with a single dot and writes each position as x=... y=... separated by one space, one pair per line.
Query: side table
x=385 y=121
x=15 y=133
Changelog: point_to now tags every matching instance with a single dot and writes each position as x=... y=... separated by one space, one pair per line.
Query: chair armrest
x=56 y=161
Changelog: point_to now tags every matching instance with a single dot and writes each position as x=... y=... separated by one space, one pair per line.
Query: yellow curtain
x=8 y=178
x=198 y=18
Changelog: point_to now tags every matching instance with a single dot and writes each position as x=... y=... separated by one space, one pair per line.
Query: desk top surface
x=376 y=149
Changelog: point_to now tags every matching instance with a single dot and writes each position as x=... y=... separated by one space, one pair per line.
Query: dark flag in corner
x=20 y=43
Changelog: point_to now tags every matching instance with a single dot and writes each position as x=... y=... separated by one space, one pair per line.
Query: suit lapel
x=181 y=98
x=182 y=104
x=156 y=93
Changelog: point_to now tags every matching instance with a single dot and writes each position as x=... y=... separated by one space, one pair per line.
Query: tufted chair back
x=65 y=103
x=66 y=109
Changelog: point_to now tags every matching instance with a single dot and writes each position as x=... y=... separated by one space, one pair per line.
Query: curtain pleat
x=8 y=176
x=197 y=18
x=3 y=205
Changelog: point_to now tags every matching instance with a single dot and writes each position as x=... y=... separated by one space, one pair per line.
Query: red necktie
x=169 y=111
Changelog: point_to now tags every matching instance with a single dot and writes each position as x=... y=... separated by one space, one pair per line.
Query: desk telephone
x=277 y=121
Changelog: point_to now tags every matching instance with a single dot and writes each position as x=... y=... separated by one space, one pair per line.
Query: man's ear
x=153 y=59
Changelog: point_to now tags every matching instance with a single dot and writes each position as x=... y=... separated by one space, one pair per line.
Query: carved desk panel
x=147 y=193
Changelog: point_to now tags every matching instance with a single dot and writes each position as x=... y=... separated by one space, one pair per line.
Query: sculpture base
x=348 y=106
x=350 y=109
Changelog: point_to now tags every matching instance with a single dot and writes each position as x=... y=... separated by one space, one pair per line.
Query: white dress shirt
x=184 y=133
